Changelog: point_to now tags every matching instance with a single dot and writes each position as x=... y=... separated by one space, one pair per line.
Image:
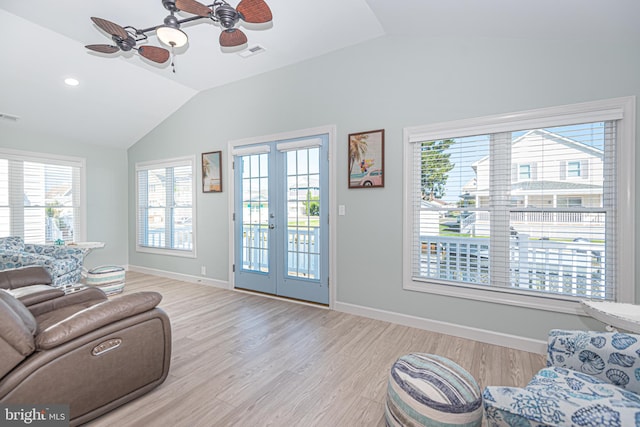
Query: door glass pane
x=303 y=214
x=255 y=212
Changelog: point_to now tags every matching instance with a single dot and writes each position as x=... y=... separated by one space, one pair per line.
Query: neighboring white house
x=547 y=171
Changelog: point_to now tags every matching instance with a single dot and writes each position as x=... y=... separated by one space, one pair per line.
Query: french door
x=281 y=218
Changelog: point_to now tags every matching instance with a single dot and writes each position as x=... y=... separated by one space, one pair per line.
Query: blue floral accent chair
x=591 y=379
x=63 y=263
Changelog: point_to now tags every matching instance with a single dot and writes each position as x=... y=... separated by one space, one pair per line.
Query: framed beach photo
x=366 y=159
x=212 y=172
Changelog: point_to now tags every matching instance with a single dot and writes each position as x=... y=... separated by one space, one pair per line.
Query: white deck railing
x=303 y=250
x=182 y=239
x=571 y=268
x=569 y=224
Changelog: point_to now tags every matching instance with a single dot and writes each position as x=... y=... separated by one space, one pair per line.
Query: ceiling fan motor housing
x=171 y=21
x=227 y=16
x=124 y=44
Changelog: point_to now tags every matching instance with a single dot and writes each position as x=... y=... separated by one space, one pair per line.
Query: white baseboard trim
x=467 y=332
x=182 y=277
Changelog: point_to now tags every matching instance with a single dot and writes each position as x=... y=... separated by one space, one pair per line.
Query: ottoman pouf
x=430 y=390
x=109 y=278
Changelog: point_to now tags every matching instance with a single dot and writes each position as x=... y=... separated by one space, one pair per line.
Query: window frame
x=577 y=170
x=164 y=163
x=610 y=109
x=60 y=160
x=526 y=172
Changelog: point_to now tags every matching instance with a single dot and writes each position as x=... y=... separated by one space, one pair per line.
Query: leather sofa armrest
x=34 y=294
x=95 y=317
x=25 y=276
x=90 y=295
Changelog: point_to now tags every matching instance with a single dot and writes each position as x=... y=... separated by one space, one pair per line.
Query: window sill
x=558 y=304
x=168 y=252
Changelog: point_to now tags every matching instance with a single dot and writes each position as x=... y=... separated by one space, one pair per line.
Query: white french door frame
x=230 y=185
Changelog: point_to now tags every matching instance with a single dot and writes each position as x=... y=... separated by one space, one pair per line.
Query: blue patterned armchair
x=591 y=379
x=63 y=263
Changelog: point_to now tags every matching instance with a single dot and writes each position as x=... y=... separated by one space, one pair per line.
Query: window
x=573 y=169
x=492 y=224
x=166 y=207
x=41 y=197
x=569 y=202
x=524 y=172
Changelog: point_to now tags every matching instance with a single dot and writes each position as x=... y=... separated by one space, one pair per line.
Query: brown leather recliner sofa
x=80 y=348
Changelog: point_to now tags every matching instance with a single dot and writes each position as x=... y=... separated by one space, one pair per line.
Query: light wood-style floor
x=247 y=360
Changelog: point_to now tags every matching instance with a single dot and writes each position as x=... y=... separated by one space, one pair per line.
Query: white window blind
x=525 y=210
x=41 y=197
x=254 y=149
x=299 y=145
x=165 y=207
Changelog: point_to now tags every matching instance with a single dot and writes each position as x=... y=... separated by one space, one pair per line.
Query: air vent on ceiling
x=9 y=117
x=253 y=50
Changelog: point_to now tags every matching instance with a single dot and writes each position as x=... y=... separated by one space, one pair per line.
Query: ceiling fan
x=126 y=38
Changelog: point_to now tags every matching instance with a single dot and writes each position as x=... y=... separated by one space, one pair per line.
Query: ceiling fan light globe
x=171 y=36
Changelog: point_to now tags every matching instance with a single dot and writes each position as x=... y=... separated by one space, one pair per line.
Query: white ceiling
x=133 y=95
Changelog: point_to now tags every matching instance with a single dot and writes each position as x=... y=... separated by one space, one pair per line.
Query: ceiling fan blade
x=153 y=53
x=103 y=48
x=254 y=11
x=193 y=7
x=232 y=38
x=110 y=27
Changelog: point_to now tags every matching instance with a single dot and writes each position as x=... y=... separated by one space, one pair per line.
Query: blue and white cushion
x=592 y=379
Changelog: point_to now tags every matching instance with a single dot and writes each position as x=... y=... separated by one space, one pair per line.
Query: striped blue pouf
x=429 y=390
x=109 y=278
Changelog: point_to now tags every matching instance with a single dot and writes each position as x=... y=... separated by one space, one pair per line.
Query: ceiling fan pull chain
x=173 y=59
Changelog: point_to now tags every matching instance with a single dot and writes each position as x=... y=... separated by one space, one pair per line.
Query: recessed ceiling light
x=71 y=81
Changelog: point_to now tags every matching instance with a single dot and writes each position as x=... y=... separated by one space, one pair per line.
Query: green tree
x=312 y=205
x=435 y=167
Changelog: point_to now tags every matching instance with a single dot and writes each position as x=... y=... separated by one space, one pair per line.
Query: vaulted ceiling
x=121 y=97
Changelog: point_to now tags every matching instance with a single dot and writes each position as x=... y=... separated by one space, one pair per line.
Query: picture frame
x=212 y=172
x=366 y=159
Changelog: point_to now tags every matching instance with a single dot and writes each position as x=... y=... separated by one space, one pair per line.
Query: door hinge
x=233 y=268
x=234 y=217
x=233 y=164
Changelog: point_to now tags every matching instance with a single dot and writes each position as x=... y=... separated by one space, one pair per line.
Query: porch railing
x=574 y=224
x=566 y=268
x=303 y=250
x=182 y=239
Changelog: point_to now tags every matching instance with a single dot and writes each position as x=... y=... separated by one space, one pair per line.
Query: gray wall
x=106 y=180
x=389 y=83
